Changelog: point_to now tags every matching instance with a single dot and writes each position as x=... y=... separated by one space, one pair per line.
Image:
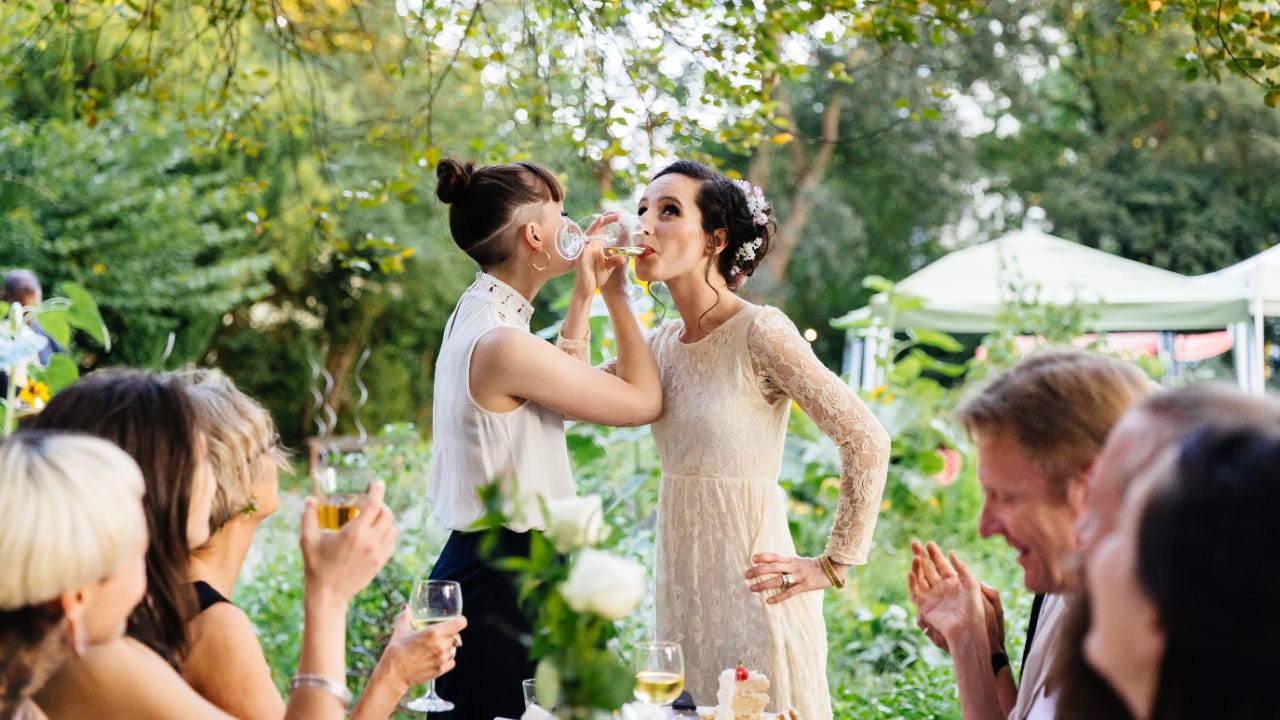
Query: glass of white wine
x=659 y=670
x=433 y=601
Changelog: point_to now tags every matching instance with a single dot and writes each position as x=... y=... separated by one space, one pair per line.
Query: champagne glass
x=433 y=601
x=659 y=670
x=624 y=237
x=570 y=239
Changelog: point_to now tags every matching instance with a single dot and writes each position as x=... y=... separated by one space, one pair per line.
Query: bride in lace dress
x=730 y=586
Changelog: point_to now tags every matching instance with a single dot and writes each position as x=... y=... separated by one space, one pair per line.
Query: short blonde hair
x=239 y=431
x=1060 y=404
x=72 y=509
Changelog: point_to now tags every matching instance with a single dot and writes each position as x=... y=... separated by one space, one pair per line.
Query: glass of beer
x=659 y=670
x=338 y=489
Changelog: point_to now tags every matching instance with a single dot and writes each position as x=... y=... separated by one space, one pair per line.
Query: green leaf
x=934 y=338
x=83 y=314
x=54 y=322
x=59 y=373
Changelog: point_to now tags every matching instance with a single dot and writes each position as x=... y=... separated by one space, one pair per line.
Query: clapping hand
x=949 y=600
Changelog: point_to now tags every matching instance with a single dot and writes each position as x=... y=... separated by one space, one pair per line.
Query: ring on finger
x=787 y=581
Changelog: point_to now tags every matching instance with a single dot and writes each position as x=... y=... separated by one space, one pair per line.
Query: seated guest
x=1038 y=428
x=134 y=678
x=225 y=663
x=1159 y=422
x=1182 y=592
x=73 y=541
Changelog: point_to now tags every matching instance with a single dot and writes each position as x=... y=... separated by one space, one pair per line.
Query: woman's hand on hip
x=791 y=575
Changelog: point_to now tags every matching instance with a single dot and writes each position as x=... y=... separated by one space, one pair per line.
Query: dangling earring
x=251 y=506
x=77 y=643
x=545 y=265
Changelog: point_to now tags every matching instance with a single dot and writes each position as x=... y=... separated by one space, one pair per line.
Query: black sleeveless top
x=207 y=596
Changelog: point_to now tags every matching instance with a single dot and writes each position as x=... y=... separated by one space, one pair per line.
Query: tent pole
x=1257 y=381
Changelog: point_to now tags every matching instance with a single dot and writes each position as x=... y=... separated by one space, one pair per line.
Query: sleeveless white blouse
x=523 y=449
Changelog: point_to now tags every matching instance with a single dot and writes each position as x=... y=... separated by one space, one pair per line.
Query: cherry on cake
x=742 y=695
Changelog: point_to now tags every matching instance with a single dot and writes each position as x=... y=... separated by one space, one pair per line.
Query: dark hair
x=723 y=205
x=21 y=286
x=32 y=646
x=484 y=201
x=1178 y=412
x=1206 y=535
x=153 y=420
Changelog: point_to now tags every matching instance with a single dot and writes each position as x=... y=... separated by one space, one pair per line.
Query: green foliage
x=20 y=348
x=119 y=210
x=1123 y=156
x=1240 y=38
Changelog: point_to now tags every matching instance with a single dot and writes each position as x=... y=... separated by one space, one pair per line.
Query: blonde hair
x=72 y=509
x=239 y=431
x=1060 y=404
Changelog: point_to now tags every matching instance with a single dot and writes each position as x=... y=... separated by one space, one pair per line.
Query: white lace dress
x=726 y=401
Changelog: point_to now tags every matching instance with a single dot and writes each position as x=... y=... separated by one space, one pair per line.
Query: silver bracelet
x=320 y=682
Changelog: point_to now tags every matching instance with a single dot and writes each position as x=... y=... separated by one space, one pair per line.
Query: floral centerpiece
x=578 y=592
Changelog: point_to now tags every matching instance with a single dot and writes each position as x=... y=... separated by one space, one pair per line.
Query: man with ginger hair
x=1038 y=428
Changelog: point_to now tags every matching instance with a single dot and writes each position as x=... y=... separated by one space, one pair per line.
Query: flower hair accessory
x=756 y=204
x=759 y=209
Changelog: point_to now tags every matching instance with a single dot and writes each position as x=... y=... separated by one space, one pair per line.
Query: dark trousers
x=494 y=656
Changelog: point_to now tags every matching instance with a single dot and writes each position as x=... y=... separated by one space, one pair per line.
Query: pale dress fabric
x=524 y=449
x=726 y=399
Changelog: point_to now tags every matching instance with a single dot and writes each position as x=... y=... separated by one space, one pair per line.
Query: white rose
x=605 y=584
x=574 y=522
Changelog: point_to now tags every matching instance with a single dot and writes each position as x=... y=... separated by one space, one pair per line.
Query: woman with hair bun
x=730 y=370
x=501 y=397
x=73 y=542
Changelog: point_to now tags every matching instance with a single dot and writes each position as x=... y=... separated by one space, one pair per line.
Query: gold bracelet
x=320 y=682
x=836 y=582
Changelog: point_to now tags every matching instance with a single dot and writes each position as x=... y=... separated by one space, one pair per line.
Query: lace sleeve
x=787 y=365
x=580 y=349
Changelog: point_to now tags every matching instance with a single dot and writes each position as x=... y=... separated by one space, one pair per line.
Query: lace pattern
x=726 y=402
x=511 y=307
x=787 y=367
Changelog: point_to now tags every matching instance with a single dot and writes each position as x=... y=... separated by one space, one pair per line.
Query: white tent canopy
x=962 y=292
x=1258 y=279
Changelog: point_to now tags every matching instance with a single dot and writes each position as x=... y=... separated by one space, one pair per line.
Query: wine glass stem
x=431 y=687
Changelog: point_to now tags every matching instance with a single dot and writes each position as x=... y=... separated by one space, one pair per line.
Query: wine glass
x=433 y=601
x=624 y=236
x=659 y=670
x=570 y=239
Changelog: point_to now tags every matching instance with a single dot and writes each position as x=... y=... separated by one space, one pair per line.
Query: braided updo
x=725 y=204
x=484 y=201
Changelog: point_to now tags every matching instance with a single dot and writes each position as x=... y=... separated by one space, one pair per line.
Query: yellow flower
x=885 y=505
x=35 y=394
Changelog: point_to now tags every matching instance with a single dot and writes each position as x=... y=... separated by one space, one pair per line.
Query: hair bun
x=453 y=179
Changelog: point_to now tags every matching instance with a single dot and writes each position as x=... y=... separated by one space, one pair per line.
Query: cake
x=742 y=695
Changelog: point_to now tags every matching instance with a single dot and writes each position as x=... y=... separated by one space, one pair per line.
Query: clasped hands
x=804 y=573
x=949 y=601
